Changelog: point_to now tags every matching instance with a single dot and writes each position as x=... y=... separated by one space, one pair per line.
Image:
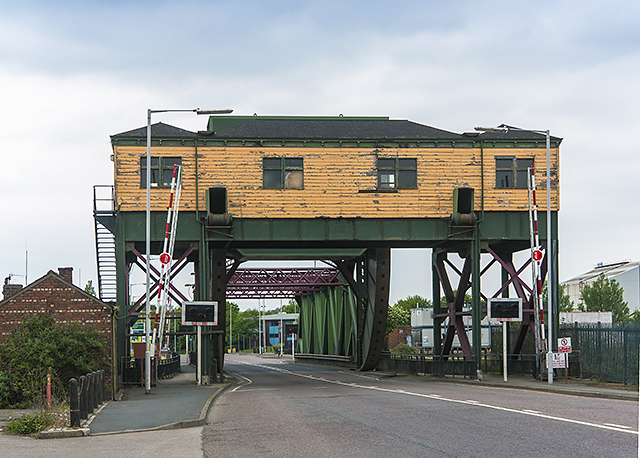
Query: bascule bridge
x=343 y=190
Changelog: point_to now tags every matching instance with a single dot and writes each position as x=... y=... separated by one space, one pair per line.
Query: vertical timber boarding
x=339 y=206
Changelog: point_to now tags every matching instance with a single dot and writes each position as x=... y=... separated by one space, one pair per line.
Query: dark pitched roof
x=331 y=129
x=515 y=133
x=157 y=130
x=57 y=277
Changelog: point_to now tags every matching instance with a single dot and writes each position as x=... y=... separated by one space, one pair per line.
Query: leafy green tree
x=88 y=288
x=605 y=295
x=248 y=323
x=565 y=303
x=399 y=314
x=291 y=307
x=40 y=344
x=233 y=310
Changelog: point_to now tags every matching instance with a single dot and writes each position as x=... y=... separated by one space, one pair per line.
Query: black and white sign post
x=200 y=313
x=505 y=309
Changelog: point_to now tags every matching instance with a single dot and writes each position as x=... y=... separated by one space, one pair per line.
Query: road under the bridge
x=283 y=409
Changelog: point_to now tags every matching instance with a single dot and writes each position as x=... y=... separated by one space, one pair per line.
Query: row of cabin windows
x=393 y=173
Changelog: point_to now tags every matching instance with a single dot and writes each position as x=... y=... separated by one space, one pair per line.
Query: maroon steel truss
x=280 y=283
x=455 y=299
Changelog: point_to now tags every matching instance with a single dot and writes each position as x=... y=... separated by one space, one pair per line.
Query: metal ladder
x=105 y=227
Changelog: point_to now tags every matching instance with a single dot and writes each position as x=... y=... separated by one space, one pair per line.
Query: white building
x=626 y=273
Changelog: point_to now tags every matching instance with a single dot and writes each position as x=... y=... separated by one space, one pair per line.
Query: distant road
x=291 y=410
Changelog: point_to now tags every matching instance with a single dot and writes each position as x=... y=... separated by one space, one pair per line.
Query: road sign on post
x=505 y=309
x=564 y=345
x=200 y=313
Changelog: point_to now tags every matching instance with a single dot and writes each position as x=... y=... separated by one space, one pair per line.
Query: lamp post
x=149 y=349
x=549 y=243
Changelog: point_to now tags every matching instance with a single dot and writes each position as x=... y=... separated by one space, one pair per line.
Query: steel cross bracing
x=280 y=283
x=176 y=267
x=455 y=299
x=523 y=291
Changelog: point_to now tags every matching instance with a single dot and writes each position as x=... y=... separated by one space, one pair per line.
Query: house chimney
x=9 y=290
x=66 y=273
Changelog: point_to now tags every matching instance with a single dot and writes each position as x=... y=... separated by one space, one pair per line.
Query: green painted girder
x=316 y=233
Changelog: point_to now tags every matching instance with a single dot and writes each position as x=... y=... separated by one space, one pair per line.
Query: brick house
x=55 y=294
x=401 y=334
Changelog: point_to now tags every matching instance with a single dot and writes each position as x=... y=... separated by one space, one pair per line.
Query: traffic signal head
x=200 y=313
x=292 y=329
x=505 y=309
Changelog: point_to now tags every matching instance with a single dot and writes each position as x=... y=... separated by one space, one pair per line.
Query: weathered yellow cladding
x=338 y=182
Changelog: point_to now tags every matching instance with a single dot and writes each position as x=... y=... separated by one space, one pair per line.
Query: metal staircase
x=105 y=226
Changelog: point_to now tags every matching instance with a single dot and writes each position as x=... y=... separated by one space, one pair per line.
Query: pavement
x=179 y=403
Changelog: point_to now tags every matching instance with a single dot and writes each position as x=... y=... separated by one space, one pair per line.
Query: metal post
x=199 y=365
x=550 y=269
x=147 y=322
x=504 y=350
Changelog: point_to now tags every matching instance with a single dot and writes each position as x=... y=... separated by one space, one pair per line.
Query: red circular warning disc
x=537 y=255
x=165 y=258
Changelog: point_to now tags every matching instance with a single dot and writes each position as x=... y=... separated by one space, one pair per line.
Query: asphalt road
x=288 y=410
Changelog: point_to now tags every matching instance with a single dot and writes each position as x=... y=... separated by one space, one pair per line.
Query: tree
x=39 y=343
x=88 y=288
x=605 y=295
x=565 y=303
x=233 y=310
x=399 y=314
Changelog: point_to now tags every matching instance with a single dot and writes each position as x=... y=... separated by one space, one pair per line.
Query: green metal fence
x=608 y=352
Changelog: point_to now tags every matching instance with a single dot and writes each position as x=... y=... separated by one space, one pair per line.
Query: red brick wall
x=68 y=305
x=397 y=336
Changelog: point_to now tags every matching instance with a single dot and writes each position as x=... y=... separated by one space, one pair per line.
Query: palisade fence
x=599 y=351
x=607 y=352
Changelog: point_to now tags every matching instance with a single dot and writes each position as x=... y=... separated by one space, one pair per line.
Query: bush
x=404 y=349
x=40 y=345
x=30 y=423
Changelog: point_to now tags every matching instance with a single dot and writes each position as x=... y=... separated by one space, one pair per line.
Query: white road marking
x=618 y=426
x=248 y=380
x=610 y=427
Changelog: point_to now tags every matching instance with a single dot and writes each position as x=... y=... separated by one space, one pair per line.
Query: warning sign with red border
x=564 y=345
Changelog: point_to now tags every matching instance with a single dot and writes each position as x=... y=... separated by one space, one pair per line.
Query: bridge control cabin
x=340 y=189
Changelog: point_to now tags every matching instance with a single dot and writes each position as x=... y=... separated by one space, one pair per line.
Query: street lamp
x=506 y=129
x=149 y=349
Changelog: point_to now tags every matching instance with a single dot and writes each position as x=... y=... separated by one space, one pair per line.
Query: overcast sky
x=72 y=73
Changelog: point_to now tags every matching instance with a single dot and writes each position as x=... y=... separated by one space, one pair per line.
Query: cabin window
x=161 y=167
x=512 y=172
x=282 y=173
x=397 y=173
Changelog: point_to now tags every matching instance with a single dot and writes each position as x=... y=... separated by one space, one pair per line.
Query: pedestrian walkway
x=173 y=403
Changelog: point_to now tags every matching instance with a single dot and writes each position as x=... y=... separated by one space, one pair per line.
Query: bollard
x=104 y=386
x=74 y=404
x=95 y=390
x=99 y=388
x=84 y=414
x=90 y=393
